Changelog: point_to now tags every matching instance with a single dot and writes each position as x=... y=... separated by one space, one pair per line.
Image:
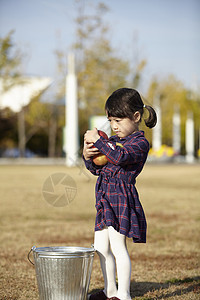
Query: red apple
x=103 y=134
x=100 y=159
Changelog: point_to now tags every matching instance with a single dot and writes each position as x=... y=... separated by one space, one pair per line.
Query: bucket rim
x=63 y=250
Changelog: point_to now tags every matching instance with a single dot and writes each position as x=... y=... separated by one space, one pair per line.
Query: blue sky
x=167 y=34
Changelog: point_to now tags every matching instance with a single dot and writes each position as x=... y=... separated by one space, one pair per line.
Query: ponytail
x=152 y=118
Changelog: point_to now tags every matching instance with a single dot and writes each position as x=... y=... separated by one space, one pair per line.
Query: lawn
x=167 y=267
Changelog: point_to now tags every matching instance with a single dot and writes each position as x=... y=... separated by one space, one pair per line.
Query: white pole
x=157 y=130
x=189 y=144
x=71 y=140
x=176 y=143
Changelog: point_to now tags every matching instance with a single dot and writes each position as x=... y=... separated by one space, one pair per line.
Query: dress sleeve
x=133 y=152
x=94 y=169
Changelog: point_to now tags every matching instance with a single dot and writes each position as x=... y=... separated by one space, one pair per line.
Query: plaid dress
x=117 y=200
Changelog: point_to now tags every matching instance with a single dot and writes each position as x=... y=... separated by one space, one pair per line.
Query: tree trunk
x=21 y=133
x=52 y=137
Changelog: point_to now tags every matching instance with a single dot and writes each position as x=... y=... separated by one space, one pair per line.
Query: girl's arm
x=134 y=151
x=88 y=152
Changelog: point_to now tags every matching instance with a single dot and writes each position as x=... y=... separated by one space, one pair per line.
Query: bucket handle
x=28 y=256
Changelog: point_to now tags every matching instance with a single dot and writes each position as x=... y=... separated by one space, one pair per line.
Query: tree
x=172 y=94
x=100 y=70
x=33 y=119
x=8 y=129
x=56 y=112
x=10 y=61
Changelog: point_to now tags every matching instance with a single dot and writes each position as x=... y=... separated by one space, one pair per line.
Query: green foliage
x=137 y=74
x=10 y=61
x=174 y=96
x=89 y=26
x=37 y=113
x=102 y=73
x=44 y=123
x=8 y=129
x=41 y=120
x=100 y=70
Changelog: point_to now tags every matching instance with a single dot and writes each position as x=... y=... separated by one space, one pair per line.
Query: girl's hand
x=89 y=151
x=91 y=136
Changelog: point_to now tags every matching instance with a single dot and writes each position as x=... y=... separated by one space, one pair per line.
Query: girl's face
x=123 y=127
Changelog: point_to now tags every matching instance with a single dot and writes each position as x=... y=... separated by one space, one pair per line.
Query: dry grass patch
x=167 y=267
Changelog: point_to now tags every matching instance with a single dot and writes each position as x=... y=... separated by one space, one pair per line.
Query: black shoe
x=98 y=296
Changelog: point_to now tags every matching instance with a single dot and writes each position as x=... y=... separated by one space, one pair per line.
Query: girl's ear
x=137 y=116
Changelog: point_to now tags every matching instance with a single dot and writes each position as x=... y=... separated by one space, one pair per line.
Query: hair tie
x=144 y=106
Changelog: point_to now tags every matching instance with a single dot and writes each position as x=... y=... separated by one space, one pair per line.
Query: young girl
x=119 y=211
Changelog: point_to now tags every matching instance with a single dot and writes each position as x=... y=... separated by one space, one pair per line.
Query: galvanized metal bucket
x=63 y=273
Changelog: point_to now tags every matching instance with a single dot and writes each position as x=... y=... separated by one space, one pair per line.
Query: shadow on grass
x=160 y=290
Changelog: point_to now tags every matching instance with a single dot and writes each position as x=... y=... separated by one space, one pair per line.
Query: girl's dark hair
x=124 y=102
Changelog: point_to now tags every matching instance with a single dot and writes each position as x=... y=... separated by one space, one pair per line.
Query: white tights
x=106 y=240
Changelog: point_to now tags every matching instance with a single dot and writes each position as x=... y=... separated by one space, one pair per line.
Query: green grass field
x=167 y=267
